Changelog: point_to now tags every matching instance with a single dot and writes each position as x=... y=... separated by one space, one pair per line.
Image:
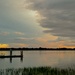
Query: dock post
x=10 y=56
x=21 y=55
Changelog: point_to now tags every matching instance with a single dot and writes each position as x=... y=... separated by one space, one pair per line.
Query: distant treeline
x=40 y=48
x=38 y=71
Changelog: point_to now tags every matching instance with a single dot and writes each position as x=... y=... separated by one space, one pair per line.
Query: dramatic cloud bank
x=57 y=15
x=35 y=23
x=16 y=21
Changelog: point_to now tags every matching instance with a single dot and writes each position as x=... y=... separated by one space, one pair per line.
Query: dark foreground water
x=60 y=59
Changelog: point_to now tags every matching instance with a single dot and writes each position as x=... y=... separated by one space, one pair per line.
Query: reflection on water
x=3 y=53
x=43 y=58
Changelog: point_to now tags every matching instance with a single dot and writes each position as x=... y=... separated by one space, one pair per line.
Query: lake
x=60 y=59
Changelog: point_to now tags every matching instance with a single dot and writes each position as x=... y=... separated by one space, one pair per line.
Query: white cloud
x=19 y=33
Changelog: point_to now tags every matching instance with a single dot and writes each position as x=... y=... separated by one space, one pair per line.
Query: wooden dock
x=10 y=56
x=13 y=56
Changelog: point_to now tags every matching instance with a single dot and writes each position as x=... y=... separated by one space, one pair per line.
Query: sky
x=37 y=23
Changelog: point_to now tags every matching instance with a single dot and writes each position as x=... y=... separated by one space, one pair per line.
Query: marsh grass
x=37 y=71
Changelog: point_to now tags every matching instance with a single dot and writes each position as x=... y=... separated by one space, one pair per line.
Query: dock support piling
x=10 y=56
x=21 y=55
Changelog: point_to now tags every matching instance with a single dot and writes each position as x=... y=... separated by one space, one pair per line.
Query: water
x=41 y=58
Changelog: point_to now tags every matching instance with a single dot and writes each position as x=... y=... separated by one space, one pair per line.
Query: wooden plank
x=13 y=56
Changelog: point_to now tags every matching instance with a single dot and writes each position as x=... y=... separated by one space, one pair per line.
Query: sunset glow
x=4 y=45
x=37 y=23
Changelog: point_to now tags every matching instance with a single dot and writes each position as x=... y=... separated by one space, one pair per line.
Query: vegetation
x=35 y=49
x=38 y=71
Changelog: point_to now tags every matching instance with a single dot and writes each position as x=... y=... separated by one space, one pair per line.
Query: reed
x=37 y=71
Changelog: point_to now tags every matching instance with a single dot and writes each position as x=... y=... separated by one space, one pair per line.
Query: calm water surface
x=41 y=58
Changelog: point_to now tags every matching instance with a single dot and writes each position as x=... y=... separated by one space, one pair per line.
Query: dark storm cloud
x=59 y=16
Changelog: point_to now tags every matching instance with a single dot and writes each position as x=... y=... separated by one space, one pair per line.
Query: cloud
x=46 y=38
x=56 y=18
x=59 y=44
x=19 y=33
x=4 y=45
x=14 y=17
x=16 y=21
x=21 y=45
x=4 y=33
x=59 y=16
x=16 y=45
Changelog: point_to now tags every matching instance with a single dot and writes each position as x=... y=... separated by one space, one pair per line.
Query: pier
x=10 y=56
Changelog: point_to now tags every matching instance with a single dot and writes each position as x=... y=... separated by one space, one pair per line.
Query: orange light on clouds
x=69 y=46
x=46 y=38
x=18 y=45
x=4 y=45
x=22 y=45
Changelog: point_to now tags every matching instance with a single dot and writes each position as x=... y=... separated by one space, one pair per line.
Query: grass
x=37 y=71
